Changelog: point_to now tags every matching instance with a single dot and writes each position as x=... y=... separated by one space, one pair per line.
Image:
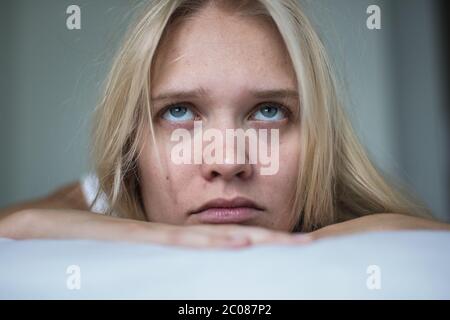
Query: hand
x=378 y=222
x=75 y=224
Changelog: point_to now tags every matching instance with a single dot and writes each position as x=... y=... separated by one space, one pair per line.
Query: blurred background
x=395 y=80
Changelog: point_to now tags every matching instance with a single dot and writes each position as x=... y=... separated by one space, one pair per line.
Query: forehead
x=217 y=48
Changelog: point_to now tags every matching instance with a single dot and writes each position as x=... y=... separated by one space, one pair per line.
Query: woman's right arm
x=67 y=197
x=64 y=215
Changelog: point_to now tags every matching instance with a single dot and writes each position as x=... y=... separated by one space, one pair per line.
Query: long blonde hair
x=336 y=179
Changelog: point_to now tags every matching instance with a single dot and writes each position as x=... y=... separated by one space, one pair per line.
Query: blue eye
x=178 y=113
x=269 y=112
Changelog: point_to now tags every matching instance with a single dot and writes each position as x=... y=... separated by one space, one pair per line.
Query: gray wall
x=422 y=105
x=49 y=88
x=51 y=77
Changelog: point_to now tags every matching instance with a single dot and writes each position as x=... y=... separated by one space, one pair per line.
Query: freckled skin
x=229 y=56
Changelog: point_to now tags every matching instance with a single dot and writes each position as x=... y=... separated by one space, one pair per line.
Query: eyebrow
x=196 y=93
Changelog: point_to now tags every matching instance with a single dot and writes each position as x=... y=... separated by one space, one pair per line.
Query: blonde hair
x=336 y=179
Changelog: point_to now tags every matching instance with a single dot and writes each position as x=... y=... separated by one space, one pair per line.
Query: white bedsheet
x=400 y=265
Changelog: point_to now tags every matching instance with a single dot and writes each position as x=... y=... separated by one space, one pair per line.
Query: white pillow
x=389 y=265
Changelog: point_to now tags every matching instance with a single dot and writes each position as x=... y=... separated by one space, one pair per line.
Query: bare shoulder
x=69 y=196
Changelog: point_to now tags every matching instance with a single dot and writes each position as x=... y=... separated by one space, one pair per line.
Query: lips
x=236 y=210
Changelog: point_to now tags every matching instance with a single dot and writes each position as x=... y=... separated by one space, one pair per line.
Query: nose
x=230 y=166
x=226 y=171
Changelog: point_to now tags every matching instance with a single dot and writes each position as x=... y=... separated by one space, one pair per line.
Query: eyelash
x=288 y=113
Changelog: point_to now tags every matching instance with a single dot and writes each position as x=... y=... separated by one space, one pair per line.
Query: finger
x=196 y=239
x=253 y=232
x=260 y=235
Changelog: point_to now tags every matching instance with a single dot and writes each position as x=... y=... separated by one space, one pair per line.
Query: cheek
x=290 y=157
x=285 y=179
x=278 y=189
x=289 y=154
x=163 y=183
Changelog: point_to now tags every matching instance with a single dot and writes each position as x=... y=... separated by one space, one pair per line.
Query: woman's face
x=229 y=73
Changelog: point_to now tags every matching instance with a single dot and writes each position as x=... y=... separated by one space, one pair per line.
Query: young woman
x=230 y=65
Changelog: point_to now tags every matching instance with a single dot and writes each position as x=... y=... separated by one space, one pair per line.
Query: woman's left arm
x=379 y=222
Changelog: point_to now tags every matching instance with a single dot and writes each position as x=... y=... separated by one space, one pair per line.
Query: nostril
x=215 y=174
x=226 y=172
x=241 y=174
